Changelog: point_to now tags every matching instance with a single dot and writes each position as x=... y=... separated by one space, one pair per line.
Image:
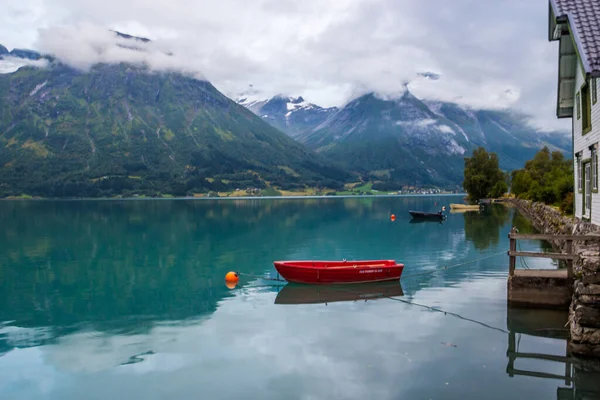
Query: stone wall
x=584 y=312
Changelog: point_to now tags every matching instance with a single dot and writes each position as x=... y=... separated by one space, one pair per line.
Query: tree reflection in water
x=483 y=227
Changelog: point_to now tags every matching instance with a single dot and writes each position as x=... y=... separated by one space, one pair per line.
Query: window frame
x=587 y=202
x=594 y=167
x=586 y=108
x=579 y=171
x=594 y=91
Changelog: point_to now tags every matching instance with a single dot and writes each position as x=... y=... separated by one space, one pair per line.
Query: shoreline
x=584 y=324
x=226 y=197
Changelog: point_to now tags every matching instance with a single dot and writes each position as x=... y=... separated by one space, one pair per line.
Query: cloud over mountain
x=487 y=54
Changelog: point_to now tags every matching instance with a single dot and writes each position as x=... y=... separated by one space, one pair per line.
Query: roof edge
x=559 y=18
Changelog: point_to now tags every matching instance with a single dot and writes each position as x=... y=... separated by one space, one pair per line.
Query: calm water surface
x=127 y=299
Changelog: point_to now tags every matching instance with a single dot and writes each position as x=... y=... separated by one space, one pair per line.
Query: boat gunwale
x=291 y=264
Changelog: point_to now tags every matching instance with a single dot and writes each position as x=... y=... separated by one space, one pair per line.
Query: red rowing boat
x=332 y=272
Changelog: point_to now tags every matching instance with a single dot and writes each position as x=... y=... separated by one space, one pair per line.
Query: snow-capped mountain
x=407 y=140
x=292 y=115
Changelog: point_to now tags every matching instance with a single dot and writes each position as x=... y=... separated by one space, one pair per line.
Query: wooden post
x=510 y=352
x=513 y=247
x=570 y=261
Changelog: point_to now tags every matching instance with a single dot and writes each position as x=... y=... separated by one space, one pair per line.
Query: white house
x=575 y=24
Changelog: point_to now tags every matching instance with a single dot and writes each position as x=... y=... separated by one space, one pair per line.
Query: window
x=586 y=109
x=587 y=202
x=578 y=106
x=594 y=167
x=594 y=91
x=579 y=172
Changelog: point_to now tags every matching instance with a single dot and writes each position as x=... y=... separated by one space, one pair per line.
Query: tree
x=548 y=178
x=483 y=176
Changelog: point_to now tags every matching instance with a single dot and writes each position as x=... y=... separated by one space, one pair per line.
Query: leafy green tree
x=547 y=178
x=483 y=176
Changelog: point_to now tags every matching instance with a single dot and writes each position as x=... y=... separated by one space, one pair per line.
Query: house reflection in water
x=580 y=377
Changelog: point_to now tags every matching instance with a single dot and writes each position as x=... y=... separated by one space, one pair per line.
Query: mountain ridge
x=392 y=139
x=292 y=115
x=122 y=129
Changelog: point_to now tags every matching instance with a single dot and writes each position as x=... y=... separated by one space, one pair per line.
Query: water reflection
x=127 y=299
x=576 y=378
x=483 y=227
x=316 y=294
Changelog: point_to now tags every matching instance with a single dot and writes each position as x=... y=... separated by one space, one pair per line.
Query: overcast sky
x=488 y=53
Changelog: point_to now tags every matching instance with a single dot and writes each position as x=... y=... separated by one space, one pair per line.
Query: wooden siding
x=581 y=143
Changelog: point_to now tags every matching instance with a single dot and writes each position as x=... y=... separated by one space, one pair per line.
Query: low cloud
x=10 y=64
x=84 y=45
x=484 y=54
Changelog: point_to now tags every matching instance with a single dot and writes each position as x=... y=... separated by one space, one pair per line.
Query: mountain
x=292 y=115
x=23 y=53
x=3 y=50
x=406 y=141
x=121 y=129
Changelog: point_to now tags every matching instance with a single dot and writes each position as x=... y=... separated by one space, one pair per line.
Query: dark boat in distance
x=436 y=216
x=293 y=293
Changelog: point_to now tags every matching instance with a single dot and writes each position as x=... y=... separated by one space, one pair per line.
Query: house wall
x=581 y=144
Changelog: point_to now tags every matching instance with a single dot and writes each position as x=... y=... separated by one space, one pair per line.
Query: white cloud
x=488 y=54
x=10 y=64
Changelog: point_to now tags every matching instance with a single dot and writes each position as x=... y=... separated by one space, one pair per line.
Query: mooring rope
x=261 y=277
x=446 y=267
x=412 y=303
x=522 y=259
x=448 y=313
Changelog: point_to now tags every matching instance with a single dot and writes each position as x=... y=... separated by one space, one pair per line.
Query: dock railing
x=569 y=256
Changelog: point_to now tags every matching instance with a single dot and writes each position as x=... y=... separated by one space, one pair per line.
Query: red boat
x=332 y=272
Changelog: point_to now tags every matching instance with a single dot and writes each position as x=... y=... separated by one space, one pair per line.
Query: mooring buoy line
x=262 y=277
x=446 y=267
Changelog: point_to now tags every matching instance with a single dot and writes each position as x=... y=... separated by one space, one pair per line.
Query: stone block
x=585 y=335
x=587 y=316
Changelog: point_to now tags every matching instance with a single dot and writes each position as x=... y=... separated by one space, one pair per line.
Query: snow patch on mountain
x=37 y=88
x=446 y=129
x=463 y=133
x=455 y=148
x=418 y=124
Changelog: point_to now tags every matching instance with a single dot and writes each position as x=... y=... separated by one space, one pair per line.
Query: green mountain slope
x=119 y=129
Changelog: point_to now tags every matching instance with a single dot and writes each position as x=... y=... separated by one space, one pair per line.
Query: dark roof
x=584 y=20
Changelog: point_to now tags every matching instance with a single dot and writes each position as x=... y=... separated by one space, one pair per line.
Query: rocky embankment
x=584 y=313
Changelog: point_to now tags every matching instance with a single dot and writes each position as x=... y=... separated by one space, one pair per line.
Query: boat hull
x=426 y=215
x=464 y=207
x=339 y=272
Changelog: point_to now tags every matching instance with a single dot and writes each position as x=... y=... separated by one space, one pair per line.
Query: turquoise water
x=126 y=299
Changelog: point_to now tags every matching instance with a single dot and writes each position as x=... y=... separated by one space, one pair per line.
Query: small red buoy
x=232 y=277
x=393 y=217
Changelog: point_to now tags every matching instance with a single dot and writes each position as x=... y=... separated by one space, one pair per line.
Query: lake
x=125 y=299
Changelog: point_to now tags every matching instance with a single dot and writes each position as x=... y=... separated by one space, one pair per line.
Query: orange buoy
x=393 y=217
x=232 y=277
x=230 y=285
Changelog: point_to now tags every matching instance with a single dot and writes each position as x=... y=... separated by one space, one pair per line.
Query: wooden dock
x=542 y=288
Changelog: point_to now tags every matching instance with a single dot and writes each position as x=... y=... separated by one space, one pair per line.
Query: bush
x=566 y=205
x=547 y=178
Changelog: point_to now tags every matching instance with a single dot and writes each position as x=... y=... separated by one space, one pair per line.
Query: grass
x=38 y=148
